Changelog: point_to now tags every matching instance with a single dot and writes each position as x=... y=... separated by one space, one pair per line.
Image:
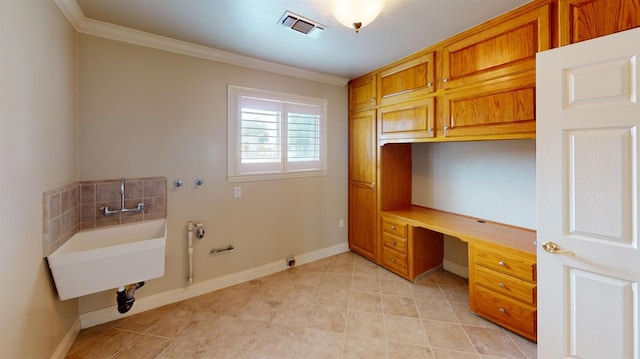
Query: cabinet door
x=408 y=121
x=362 y=93
x=504 y=109
x=406 y=81
x=498 y=49
x=362 y=189
x=587 y=19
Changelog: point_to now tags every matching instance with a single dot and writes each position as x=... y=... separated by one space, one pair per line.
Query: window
x=274 y=135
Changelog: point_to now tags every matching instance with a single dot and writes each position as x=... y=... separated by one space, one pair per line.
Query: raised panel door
x=362 y=93
x=362 y=177
x=501 y=109
x=503 y=47
x=406 y=81
x=408 y=121
x=588 y=200
x=582 y=20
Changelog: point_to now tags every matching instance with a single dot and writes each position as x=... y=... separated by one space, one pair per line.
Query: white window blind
x=273 y=135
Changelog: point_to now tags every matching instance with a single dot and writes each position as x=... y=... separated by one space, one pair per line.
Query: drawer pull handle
x=393 y=260
x=502 y=310
x=393 y=228
x=393 y=243
x=501 y=264
x=501 y=285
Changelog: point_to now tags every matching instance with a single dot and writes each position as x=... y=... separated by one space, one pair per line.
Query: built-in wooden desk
x=502 y=260
x=467 y=229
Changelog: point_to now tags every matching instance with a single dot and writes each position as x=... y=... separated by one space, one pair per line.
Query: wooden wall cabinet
x=408 y=80
x=407 y=121
x=502 y=287
x=362 y=183
x=491 y=109
x=581 y=20
x=500 y=47
x=362 y=93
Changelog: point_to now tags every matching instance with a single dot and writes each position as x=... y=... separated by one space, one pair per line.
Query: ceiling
x=250 y=28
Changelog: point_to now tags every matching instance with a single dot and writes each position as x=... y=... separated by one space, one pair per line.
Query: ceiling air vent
x=301 y=24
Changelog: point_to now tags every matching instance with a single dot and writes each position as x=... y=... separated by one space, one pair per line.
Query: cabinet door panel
x=409 y=80
x=362 y=146
x=582 y=20
x=498 y=109
x=362 y=93
x=362 y=219
x=411 y=120
x=362 y=174
x=506 y=48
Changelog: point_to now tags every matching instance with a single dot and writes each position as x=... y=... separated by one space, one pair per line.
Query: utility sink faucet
x=107 y=212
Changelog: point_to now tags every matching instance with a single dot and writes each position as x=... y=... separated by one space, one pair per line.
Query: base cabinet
x=409 y=251
x=502 y=287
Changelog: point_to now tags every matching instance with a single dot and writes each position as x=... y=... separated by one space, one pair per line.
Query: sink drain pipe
x=126 y=296
x=190 y=250
x=199 y=228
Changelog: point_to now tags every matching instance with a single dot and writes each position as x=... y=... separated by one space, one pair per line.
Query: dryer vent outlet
x=291 y=261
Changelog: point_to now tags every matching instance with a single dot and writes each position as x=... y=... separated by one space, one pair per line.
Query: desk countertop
x=466 y=228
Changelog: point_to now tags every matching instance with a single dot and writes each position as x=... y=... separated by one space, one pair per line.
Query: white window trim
x=234 y=92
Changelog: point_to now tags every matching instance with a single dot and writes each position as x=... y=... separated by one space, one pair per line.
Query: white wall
x=147 y=112
x=493 y=180
x=37 y=153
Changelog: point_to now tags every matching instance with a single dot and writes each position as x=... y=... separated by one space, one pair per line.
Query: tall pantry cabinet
x=362 y=167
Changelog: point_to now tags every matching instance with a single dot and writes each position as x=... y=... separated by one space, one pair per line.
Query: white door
x=587 y=177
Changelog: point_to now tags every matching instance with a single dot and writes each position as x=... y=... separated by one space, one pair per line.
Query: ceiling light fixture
x=356 y=14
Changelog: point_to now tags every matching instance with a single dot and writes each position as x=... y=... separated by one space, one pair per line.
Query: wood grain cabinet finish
x=494 y=108
x=409 y=251
x=362 y=93
x=502 y=287
x=362 y=179
x=582 y=20
x=408 y=80
x=407 y=120
x=497 y=48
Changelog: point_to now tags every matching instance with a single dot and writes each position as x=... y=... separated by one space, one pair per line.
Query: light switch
x=237 y=192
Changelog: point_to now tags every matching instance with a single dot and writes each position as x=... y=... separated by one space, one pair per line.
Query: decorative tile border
x=77 y=206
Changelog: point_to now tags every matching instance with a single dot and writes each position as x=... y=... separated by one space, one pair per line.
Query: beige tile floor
x=339 y=307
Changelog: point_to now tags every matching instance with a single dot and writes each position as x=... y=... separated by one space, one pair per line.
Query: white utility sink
x=107 y=258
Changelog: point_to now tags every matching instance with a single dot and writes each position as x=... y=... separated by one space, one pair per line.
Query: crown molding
x=72 y=11
x=90 y=26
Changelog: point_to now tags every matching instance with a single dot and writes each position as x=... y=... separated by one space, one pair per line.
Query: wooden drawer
x=395 y=261
x=395 y=227
x=506 y=262
x=394 y=242
x=507 y=312
x=506 y=285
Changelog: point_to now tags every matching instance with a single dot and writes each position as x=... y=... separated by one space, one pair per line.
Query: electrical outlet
x=341 y=223
x=237 y=192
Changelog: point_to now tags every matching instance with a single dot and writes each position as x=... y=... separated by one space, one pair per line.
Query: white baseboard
x=108 y=314
x=455 y=268
x=66 y=343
